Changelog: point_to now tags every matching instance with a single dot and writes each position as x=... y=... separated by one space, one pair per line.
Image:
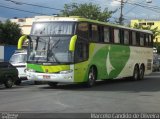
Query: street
x=118 y=96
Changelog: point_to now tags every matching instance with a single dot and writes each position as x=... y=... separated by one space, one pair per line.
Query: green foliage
x=157 y=46
x=9 y=33
x=87 y=10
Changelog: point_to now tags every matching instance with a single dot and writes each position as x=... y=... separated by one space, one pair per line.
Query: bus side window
x=146 y=40
x=137 y=38
x=150 y=41
x=111 y=29
x=82 y=30
x=121 y=33
x=116 y=36
x=101 y=34
x=94 y=33
x=106 y=34
x=126 y=37
x=141 y=39
x=134 y=41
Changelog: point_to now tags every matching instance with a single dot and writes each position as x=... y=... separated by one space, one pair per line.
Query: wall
x=1 y=53
x=6 y=52
x=24 y=23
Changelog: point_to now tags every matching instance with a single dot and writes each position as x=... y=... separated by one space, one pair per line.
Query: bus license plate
x=46 y=77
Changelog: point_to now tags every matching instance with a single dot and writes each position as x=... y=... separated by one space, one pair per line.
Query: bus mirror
x=21 y=40
x=72 y=43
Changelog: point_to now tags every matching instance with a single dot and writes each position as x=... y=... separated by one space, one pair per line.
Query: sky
x=132 y=9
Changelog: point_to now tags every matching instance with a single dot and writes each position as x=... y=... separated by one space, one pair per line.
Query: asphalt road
x=110 y=96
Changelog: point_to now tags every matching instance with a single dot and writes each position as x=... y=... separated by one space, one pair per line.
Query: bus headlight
x=31 y=70
x=66 y=72
x=25 y=70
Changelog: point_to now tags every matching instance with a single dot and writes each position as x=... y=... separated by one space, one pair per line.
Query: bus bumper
x=54 y=77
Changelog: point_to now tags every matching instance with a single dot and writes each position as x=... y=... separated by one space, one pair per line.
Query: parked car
x=156 y=62
x=18 y=59
x=156 y=65
x=8 y=74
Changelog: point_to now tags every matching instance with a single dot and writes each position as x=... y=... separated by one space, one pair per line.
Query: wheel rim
x=10 y=82
x=141 y=73
x=136 y=73
x=91 y=77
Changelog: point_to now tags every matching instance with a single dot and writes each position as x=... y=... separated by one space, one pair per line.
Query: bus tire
x=92 y=76
x=135 y=73
x=141 y=72
x=52 y=84
x=9 y=82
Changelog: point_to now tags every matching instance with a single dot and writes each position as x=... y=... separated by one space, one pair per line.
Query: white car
x=18 y=59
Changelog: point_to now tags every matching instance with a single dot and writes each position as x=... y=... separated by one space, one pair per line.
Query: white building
x=25 y=24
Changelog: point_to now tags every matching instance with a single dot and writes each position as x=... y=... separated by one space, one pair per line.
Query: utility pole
x=121 y=14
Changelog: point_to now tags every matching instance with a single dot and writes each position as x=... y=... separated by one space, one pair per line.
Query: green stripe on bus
x=48 y=69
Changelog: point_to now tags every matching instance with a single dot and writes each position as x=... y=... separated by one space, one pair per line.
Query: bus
x=80 y=50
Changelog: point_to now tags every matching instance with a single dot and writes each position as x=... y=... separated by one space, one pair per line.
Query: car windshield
x=18 y=58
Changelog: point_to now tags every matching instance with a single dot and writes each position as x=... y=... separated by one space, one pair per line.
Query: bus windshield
x=52 y=49
x=49 y=42
x=52 y=28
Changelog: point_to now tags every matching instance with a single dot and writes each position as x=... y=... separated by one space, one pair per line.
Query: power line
x=21 y=3
x=146 y=6
x=22 y=10
x=132 y=8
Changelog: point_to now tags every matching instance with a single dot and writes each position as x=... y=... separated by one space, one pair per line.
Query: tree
x=155 y=32
x=9 y=33
x=87 y=10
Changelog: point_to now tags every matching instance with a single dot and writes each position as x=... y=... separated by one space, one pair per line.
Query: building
x=25 y=24
x=144 y=23
x=6 y=52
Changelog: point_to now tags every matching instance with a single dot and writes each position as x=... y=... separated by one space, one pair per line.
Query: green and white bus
x=79 y=50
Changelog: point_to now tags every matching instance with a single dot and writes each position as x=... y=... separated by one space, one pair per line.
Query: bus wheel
x=9 y=82
x=52 y=84
x=136 y=73
x=141 y=73
x=91 y=77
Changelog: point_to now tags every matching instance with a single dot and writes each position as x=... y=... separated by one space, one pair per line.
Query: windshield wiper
x=50 y=52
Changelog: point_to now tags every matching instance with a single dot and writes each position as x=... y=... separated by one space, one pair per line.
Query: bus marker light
x=46 y=77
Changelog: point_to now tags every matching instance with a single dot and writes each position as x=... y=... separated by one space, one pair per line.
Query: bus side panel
x=117 y=59
x=109 y=60
x=139 y=55
x=98 y=59
x=48 y=69
x=80 y=72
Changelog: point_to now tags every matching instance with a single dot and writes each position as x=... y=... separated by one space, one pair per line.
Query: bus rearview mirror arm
x=72 y=43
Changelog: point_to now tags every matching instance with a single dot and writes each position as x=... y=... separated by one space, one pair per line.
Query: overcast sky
x=132 y=8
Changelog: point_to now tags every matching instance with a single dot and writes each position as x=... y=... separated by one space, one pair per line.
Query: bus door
x=81 y=60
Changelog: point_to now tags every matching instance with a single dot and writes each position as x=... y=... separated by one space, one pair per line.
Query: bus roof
x=77 y=18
